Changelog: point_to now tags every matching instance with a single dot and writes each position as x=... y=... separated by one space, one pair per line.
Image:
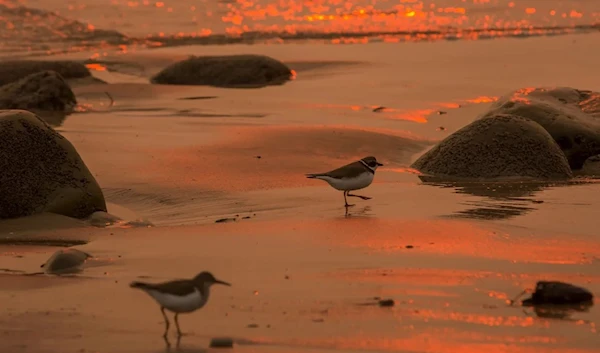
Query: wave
x=36 y=32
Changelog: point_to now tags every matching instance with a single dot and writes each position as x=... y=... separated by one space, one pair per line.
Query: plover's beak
x=379 y=164
x=222 y=282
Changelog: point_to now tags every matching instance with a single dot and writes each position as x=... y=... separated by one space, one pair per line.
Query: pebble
x=221 y=342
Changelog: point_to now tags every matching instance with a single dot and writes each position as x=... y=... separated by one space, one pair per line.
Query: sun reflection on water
x=112 y=23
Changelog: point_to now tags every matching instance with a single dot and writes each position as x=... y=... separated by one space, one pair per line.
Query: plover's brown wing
x=351 y=170
x=178 y=287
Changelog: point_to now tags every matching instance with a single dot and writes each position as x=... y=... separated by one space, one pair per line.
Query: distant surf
x=56 y=28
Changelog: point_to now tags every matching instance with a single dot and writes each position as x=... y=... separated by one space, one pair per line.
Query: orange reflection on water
x=414 y=115
x=446 y=340
x=521 y=95
x=480 y=319
x=482 y=99
x=440 y=237
x=417 y=116
x=95 y=67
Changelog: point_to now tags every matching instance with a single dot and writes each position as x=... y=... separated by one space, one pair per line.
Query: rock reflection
x=561 y=312
x=499 y=200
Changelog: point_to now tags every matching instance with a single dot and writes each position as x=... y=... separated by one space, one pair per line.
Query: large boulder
x=496 y=147
x=40 y=171
x=572 y=117
x=42 y=91
x=225 y=71
x=14 y=70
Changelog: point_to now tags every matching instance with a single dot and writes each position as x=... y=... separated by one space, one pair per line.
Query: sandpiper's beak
x=222 y=282
x=379 y=164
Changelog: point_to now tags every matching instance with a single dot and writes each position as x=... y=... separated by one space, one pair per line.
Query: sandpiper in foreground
x=353 y=176
x=180 y=296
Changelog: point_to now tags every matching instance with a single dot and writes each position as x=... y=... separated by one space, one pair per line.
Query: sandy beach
x=305 y=271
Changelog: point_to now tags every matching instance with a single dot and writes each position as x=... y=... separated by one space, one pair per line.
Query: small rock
x=378 y=109
x=246 y=217
x=14 y=70
x=221 y=342
x=223 y=220
x=441 y=112
x=387 y=302
x=558 y=293
x=41 y=91
x=65 y=261
x=409 y=246
x=258 y=157
x=252 y=326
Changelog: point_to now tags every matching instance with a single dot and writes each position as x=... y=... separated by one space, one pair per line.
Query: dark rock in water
x=65 y=261
x=42 y=171
x=386 y=302
x=241 y=71
x=14 y=70
x=571 y=117
x=496 y=147
x=558 y=293
x=42 y=91
x=221 y=342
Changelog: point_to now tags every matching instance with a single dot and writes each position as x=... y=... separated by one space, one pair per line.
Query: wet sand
x=184 y=163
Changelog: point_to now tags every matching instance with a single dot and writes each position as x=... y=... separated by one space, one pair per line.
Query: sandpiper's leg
x=362 y=197
x=346 y=200
x=162 y=310
x=177 y=325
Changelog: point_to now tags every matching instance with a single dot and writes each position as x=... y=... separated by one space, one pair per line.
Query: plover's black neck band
x=367 y=166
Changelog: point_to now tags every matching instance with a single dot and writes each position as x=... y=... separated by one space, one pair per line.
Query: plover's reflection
x=178 y=348
x=360 y=212
x=168 y=343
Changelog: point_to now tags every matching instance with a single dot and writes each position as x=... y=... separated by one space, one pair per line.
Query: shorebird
x=354 y=176
x=180 y=296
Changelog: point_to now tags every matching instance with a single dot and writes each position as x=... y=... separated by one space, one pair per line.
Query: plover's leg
x=362 y=197
x=162 y=310
x=346 y=201
x=167 y=343
x=179 y=334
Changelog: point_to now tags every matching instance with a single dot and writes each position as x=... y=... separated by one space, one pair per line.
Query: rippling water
x=45 y=26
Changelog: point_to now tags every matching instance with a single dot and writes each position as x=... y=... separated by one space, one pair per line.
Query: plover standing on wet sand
x=180 y=296
x=353 y=176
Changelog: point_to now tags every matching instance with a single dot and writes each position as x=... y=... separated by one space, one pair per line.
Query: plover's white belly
x=345 y=184
x=177 y=303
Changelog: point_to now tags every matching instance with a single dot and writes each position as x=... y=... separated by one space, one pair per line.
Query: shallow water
x=37 y=27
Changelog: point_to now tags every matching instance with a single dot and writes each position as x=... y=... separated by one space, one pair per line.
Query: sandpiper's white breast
x=179 y=303
x=347 y=184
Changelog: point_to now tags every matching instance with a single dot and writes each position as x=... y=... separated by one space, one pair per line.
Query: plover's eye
x=372 y=164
